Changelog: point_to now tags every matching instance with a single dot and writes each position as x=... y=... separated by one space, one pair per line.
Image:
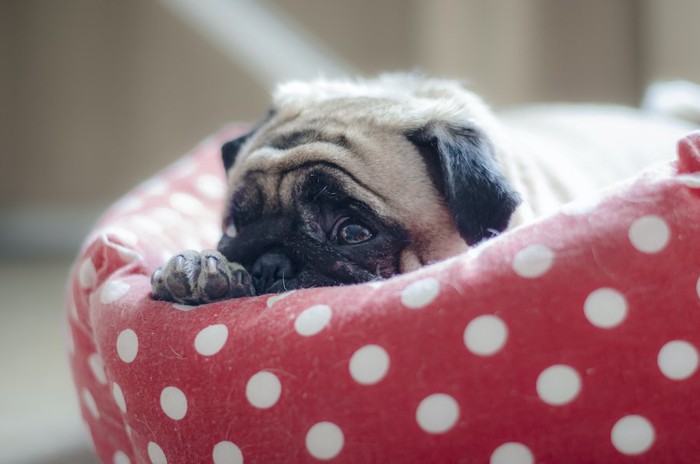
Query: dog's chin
x=306 y=280
x=279 y=286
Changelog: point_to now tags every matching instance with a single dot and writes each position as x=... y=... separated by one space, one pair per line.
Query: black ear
x=462 y=162
x=230 y=149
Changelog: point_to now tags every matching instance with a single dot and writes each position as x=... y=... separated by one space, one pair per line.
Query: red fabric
x=572 y=340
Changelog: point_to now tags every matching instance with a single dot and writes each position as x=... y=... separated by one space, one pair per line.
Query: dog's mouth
x=303 y=280
x=306 y=264
x=278 y=275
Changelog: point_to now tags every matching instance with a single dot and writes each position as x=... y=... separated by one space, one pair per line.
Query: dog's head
x=346 y=182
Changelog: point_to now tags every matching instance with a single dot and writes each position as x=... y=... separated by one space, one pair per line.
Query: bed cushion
x=574 y=339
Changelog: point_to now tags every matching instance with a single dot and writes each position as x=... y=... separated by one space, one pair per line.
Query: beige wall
x=669 y=39
x=103 y=93
x=97 y=94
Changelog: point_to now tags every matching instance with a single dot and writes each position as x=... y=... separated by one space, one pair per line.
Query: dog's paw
x=194 y=278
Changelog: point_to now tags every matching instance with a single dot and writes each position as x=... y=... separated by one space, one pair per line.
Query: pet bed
x=574 y=339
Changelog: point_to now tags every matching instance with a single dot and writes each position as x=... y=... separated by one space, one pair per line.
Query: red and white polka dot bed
x=573 y=340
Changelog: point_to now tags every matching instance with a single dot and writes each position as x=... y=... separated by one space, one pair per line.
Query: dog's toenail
x=157 y=276
x=212 y=265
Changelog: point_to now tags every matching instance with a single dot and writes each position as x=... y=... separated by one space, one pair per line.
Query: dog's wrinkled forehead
x=415 y=151
x=336 y=137
x=405 y=146
x=359 y=125
x=403 y=101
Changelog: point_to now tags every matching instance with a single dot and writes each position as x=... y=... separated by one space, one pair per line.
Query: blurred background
x=97 y=95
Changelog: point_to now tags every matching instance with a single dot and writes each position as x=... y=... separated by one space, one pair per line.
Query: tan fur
x=549 y=162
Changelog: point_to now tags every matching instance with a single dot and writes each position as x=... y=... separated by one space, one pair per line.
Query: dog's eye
x=347 y=232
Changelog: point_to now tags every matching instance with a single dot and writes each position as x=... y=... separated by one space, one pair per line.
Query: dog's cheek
x=310 y=279
x=409 y=261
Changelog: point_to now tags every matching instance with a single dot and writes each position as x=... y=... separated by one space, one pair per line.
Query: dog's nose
x=270 y=272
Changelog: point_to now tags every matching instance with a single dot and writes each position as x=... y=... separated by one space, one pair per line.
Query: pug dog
x=350 y=181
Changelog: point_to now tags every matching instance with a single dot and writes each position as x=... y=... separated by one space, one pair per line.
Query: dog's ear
x=229 y=151
x=462 y=164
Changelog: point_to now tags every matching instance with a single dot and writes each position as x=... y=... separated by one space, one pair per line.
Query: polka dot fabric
x=573 y=340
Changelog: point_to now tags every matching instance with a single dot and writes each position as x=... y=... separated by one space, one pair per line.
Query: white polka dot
x=226 y=452
x=678 y=360
x=274 y=299
x=186 y=203
x=210 y=340
x=90 y=403
x=183 y=307
x=97 y=367
x=605 y=308
x=120 y=457
x=325 y=440
x=87 y=275
x=173 y=402
x=118 y=396
x=211 y=186
x=369 y=364
x=512 y=453
x=558 y=385
x=437 y=413
x=313 y=320
x=144 y=224
x=127 y=345
x=263 y=390
x=649 y=234
x=533 y=261
x=156 y=454
x=697 y=287
x=113 y=290
x=632 y=435
x=485 y=335
x=420 y=293
x=166 y=217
